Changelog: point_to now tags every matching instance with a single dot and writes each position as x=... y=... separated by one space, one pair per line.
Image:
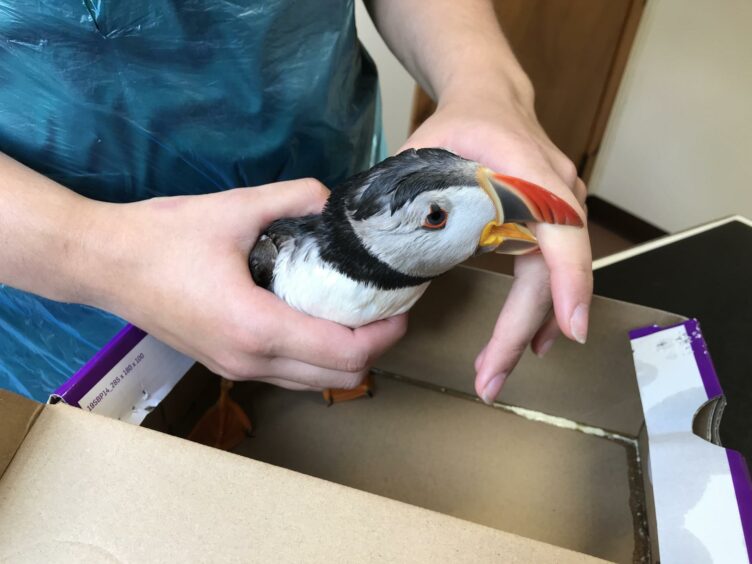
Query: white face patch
x=401 y=241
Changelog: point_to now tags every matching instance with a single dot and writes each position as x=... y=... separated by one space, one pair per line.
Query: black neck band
x=342 y=248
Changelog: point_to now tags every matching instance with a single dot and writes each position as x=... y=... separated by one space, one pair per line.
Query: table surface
x=704 y=273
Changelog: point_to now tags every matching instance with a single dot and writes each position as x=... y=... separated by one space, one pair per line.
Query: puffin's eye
x=436 y=218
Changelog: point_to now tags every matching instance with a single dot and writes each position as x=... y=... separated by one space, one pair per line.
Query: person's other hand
x=179 y=270
x=503 y=134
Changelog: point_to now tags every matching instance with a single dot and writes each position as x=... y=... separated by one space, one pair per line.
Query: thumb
x=292 y=198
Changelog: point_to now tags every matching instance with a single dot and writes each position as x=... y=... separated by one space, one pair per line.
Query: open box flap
x=703 y=514
x=83 y=487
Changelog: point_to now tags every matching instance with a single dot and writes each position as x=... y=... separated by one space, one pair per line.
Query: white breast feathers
x=310 y=285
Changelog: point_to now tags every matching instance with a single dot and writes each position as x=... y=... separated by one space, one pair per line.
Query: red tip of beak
x=545 y=205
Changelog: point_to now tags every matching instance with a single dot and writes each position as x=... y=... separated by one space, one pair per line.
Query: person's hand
x=502 y=133
x=178 y=268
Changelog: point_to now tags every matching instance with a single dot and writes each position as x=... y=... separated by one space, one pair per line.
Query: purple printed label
x=743 y=489
x=699 y=348
x=702 y=357
x=100 y=364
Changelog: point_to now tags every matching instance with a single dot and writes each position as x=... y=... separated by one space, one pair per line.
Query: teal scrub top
x=122 y=100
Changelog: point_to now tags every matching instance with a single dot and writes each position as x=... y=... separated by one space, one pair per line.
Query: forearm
x=47 y=235
x=454 y=49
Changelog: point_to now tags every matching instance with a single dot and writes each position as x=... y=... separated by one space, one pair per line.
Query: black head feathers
x=397 y=180
x=387 y=186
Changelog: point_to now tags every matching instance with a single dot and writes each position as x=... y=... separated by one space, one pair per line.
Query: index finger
x=567 y=253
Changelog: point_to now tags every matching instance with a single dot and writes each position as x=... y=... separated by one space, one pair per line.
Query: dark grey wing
x=262 y=260
x=263 y=256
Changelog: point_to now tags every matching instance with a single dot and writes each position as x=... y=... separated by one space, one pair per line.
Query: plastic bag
x=42 y=343
x=125 y=100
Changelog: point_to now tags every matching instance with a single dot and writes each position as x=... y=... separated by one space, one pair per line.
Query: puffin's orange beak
x=518 y=201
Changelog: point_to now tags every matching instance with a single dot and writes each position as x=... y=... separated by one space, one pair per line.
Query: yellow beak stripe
x=494 y=235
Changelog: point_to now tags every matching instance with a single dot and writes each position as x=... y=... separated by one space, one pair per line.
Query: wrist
x=99 y=255
x=504 y=88
x=488 y=82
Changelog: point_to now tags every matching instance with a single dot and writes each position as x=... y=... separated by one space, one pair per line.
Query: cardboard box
x=561 y=470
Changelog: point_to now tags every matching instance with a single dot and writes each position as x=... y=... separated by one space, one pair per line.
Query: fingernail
x=492 y=389
x=579 y=323
x=544 y=348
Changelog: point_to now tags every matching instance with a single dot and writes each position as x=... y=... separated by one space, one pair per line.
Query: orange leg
x=224 y=425
x=335 y=396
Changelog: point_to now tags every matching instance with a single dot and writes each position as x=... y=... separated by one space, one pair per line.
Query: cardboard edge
x=702 y=357
x=706 y=421
x=742 y=481
x=56 y=398
x=650 y=329
x=650 y=518
x=15 y=439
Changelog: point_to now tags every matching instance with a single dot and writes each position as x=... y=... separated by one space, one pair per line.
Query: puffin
x=385 y=233
x=381 y=238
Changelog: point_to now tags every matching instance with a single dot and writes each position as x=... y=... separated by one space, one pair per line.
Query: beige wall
x=396 y=84
x=678 y=148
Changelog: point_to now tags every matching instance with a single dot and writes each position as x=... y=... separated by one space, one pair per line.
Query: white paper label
x=138 y=382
